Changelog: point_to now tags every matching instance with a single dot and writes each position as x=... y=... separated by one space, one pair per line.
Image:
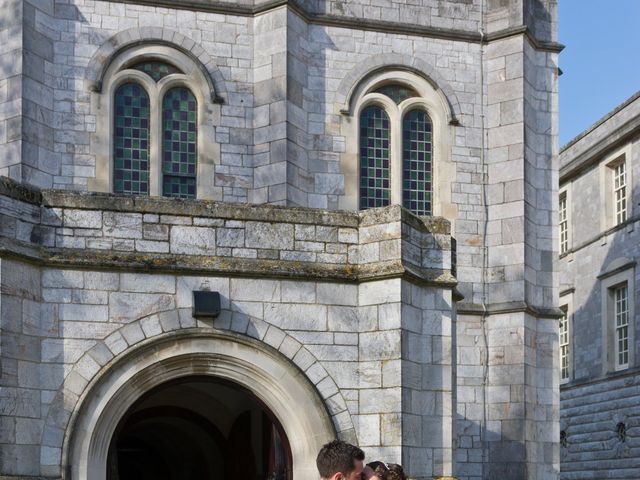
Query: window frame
x=608 y=216
x=620 y=173
x=380 y=102
x=564 y=194
x=208 y=116
x=618 y=325
x=435 y=106
x=622 y=272
x=567 y=344
x=566 y=305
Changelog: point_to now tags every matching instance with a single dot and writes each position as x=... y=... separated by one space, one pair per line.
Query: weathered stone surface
x=266 y=235
x=123 y=225
x=126 y=307
x=193 y=240
x=99 y=273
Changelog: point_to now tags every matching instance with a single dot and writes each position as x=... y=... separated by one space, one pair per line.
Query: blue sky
x=601 y=61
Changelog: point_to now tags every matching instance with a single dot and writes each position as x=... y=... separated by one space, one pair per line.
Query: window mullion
x=396 y=157
x=155 y=172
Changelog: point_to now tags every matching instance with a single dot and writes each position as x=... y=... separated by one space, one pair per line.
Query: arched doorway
x=199 y=428
x=222 y=359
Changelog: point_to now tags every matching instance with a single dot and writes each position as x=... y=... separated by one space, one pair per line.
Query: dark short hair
x=337 y=456
x=378 y=466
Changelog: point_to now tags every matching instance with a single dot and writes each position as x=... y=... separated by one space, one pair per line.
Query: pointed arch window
x=154 y=126
x=417 y=162
x=179 y=144
x=131 y=140
x=396 y=150
x=375 y=186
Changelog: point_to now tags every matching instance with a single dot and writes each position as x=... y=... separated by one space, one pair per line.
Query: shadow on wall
x=597 y=422
x=34 y=351
x=314 y=176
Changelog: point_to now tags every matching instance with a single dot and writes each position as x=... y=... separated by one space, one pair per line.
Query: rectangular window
x=620 y=192
x=621 y=314
x=564 y=347
x=564 y=224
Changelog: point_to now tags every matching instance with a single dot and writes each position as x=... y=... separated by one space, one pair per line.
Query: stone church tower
x=366 y=188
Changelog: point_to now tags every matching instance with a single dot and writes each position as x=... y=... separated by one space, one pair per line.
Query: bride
x=383 y=471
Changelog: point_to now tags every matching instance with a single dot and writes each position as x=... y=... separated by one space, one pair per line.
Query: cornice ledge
x=236 y=267
x=509 y=307
x=20 y=191
x=593 y=153
x=219 y=7
x=553 y=47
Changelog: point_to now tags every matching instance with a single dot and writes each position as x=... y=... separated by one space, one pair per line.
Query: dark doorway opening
x=199 y=428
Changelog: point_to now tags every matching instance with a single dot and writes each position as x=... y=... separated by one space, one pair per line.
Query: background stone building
x=599 y=337
x=265 y=151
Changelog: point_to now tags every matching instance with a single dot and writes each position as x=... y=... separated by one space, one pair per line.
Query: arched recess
x=360 y=89
x=149 y=36
x=114 y=66
x=282 y=387
x=347 y=91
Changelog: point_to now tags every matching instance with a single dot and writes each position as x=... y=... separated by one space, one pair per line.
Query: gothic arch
x=114 y=65
x=172 y=342
x=359 y=90
x=346 y=92
x=140 y=36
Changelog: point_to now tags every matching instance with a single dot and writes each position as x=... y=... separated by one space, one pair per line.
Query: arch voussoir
x=183 y=346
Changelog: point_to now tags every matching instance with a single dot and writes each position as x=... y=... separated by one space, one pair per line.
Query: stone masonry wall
x=596 y=399
x=10 y=87
x=590 y=414
x=293 y=278
x=202 y=235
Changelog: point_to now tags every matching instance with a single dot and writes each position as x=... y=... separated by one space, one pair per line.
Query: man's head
x=340 y=460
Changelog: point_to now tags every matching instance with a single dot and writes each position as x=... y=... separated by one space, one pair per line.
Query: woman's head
x=374 y=471
x=395 y=472
x=381 y=471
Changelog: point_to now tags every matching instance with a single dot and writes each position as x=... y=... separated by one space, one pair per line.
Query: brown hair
x=395 y=472
x=337 y=456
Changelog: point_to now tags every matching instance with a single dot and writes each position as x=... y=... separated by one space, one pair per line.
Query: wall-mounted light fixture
x=206 y=304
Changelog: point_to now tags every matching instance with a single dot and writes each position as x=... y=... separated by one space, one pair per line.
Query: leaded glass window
x=131 y=140
x=155 y=69
x=417 y=150
x=375 y=132
x=179 y=144
x=397 y=93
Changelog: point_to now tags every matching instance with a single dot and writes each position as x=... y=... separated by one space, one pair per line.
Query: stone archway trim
x=283 y=388
x=137 y=36
x=396 y=61
x=142 y=333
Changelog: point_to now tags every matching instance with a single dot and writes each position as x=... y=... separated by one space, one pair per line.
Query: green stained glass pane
x=155 y=69
x=397 y=93
x=179 y=143
x=131 y=145
x=375 y=186
x=181 y=187
x=416 y=162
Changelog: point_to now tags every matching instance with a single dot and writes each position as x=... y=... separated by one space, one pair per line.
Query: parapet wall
x=94 y=230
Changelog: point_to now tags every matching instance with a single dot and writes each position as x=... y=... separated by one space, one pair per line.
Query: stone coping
x=612 y=131
x=101 y=231
x=233 y=267
x=466 y=308
x=212 y=209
